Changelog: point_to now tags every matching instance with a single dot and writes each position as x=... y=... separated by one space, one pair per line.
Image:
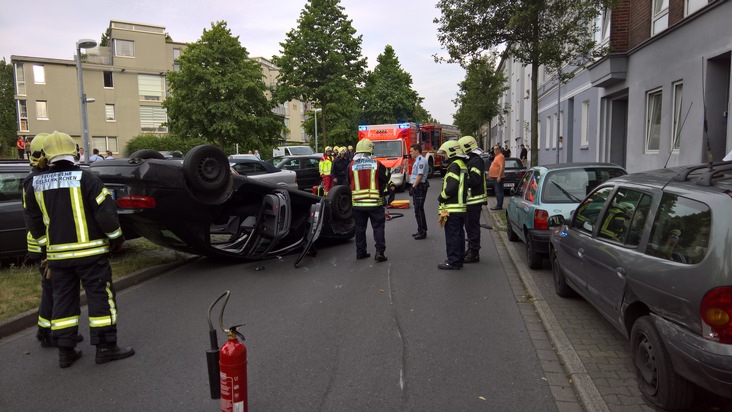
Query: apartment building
x=643 y=106
x=125 y=86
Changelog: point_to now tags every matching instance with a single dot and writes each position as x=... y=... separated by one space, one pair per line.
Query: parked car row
x=514 y=170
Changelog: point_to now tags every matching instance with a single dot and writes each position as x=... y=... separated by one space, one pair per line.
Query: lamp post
x=83 y=44
x=316 y=128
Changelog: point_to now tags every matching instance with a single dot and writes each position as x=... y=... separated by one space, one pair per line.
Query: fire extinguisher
x=227 y=367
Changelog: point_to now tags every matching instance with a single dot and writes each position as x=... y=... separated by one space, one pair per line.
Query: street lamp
x=83 y=44
x=316 y=128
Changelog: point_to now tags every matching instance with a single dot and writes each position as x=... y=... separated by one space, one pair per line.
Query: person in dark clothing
x=340 y=168
x=477 y=196
x=523 y=154
x=452 y=206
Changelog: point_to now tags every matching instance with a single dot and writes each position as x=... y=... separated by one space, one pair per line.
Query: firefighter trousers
x=361 y=217
x=455 y=239
x=96 y=278
x=45 y=309
x=472 y=227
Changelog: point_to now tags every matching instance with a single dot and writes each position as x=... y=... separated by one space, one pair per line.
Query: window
x=124 y=48
x=589 y=210
x=109 y=112
x=694 y=5
x=39 y=74
x=585 y=127
x=176 y=56
x=20 y=79
x=23 y=115
x=572 y=185
x=678 y=89
x=104 y=143
x=625 y=217
x=680 y=230
x=152 y=119
x=660 y=16
x=42 y=110
x=602 y=27
x=108 y=80
x=653 y=120
x=150 y=87
x=548 y=132
x=11 y=185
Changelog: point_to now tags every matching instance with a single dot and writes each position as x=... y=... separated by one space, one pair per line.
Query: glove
x=45 y=269
x=411 y=192
x=115 y=245
x=443 y=218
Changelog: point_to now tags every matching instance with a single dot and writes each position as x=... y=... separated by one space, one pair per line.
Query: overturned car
x=197 y=206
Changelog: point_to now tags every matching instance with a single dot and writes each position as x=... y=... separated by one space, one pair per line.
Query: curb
x=29 y=318
x=588 y=394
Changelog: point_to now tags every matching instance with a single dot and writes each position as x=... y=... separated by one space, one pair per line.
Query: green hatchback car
x=546 y=191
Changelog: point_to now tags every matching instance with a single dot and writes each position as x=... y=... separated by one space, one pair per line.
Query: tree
x=477 y=99
x=535 y=32
x=387 y=96
x=219 y=94
x=321 y=63
x=8 y=121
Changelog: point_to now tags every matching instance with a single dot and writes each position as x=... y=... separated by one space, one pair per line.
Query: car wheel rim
x=209 y=169
x=645 y=361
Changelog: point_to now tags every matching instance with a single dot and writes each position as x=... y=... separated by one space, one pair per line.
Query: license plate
x=507 y=185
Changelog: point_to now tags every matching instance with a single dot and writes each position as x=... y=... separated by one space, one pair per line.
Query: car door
x=521 y=206
x=311 y=172
x=611 y=255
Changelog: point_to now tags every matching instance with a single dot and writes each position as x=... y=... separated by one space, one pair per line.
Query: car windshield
x=513 y=164
x=388 y=148
x=572 y=185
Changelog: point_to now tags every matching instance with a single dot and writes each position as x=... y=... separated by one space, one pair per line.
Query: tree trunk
x=323 y=128
x=534 y=114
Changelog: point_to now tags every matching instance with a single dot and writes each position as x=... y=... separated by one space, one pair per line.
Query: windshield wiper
x=566 y=193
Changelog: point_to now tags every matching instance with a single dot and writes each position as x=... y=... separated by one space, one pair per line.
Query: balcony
x=611 y=70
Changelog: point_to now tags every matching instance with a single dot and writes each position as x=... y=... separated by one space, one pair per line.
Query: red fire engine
x=392 y=142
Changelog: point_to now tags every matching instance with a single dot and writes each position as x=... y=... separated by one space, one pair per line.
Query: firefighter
x=477 y=196
x=369 y=180
x=325 y=166
x=452 y=206
x=73 y=214
x=340 y=168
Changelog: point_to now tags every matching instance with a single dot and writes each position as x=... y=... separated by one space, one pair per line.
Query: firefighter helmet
x=365 y=146
x=36 y=150
x=450 y=149
x=350 y=147
x=328 y=149
x=59 y=146
x=468 y=144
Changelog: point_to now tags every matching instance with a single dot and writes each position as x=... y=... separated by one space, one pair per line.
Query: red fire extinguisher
x=227 y=367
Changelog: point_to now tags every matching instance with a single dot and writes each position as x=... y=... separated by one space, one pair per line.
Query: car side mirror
x=555 y=221
x=513 y=191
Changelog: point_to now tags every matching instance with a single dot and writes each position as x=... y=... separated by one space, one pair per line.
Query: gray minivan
x=652 y=252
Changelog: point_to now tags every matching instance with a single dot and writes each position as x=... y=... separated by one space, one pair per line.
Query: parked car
x=305 y=167
x=651 y=251
x=264 y=172
x=198 y=206
x=244 y=156
x=13 y=242
x=550 y=190
x=515 y=170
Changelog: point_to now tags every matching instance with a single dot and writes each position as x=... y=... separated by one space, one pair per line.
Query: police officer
x=369 y=179
x=477 y=196
x=81 y=226
x=418 y=191
x=452 y=206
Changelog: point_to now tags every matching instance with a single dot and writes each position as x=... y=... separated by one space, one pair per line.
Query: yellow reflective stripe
x=77 y=208
x=77 y=254
x=64 y=323
x=79 y=245
x=102 y=196
x=43 y=322
x=32 y=243
x=112 y=305
x=114 y=235
x=42 y=205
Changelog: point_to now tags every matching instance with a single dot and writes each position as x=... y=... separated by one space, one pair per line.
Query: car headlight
x=396 y=170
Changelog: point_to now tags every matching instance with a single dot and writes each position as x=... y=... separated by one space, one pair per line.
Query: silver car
x=652 y=252
x=264 y=172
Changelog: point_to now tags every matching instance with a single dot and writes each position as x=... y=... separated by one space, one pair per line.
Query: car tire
x=431 y=164
x=341 y=206
x=208 y=174
x=512 y=236
x=560 y=281
x=657 y=380
x=533 y=258
x=147 y=154
x=403 y=187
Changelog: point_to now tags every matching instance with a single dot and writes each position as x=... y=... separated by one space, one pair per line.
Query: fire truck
x=392 y=142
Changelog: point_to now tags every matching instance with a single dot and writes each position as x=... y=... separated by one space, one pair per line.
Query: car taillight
x=716 y=315
x=136 y=202
x=541 y=218
x=520 y=174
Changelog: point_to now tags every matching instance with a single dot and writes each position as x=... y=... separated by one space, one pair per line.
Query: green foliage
x=387 y=96
x=477 y=99
x=321 y=63
x=159 y=143
x=104 y=42
x=8 y=121
x=536 y=32
x=219 y=94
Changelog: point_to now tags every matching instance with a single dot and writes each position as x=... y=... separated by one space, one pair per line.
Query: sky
x=53 y=27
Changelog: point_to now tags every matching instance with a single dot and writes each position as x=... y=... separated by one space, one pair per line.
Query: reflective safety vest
x=325 y=166
x=456 y=203
x=365 y=190
x=477 y=197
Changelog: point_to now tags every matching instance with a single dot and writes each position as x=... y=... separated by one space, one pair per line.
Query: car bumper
x=703 y=362
x=540 y=239
x=397 y=179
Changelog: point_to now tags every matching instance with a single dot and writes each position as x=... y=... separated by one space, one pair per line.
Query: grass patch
x=20 y=285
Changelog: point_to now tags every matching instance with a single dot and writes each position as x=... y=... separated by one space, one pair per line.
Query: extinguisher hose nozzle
x=214 y=381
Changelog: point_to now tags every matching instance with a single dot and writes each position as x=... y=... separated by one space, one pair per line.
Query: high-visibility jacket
x=71 y=212
x=36 y=251
x=477 y=193
x=325 y=165
x=369 y=179
x=454 y=194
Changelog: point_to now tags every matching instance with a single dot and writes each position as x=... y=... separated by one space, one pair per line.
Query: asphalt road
x=336 y=334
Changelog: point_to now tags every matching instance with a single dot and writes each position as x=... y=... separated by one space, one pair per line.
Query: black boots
x=108 y=352
x=471 y=257
x=67 y=356
x=380 y=257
